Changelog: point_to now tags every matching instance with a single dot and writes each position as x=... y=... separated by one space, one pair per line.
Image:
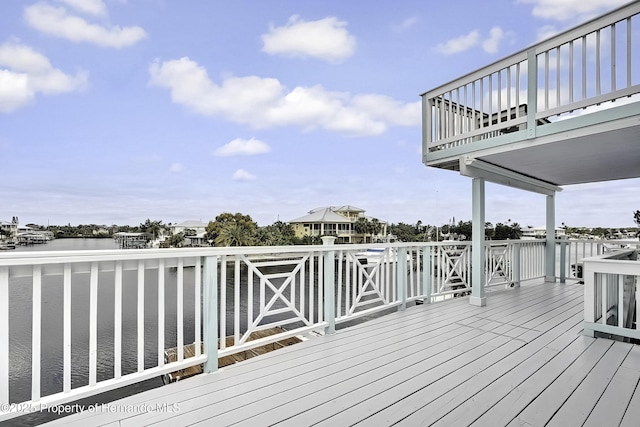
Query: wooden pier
x=171 y=355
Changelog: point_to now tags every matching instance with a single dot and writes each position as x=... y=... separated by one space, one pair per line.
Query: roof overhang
x=476 y=168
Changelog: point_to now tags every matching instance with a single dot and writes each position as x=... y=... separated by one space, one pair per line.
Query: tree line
x=241 y=230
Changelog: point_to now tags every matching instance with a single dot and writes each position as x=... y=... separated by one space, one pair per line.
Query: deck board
x=521 y=359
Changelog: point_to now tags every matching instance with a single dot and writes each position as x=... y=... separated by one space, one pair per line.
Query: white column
x=550 y=249
x=477 y=246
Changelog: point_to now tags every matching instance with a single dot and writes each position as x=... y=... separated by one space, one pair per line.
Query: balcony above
x=564 y=111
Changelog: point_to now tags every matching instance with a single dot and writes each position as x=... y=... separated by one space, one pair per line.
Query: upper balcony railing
x=594 y=63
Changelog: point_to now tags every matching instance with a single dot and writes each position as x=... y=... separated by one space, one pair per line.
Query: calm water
x=20 y=325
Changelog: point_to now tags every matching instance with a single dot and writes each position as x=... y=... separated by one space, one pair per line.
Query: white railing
x=77 y=323
x=594 y=63
x=611 y=299
x=572 y=252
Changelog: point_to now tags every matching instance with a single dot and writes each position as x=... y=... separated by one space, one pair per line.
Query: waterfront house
x=10 y=228
x=530 y=232
x=196 y=225
x=196 y=230
x=341 y=222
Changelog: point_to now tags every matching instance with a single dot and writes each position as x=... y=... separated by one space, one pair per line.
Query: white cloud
x=176 y=167
x=56 y=21
x=265 y=102
x=571 y=10
x=326 y=39
x=90 y=7
x=243 y=147
x=406 y=24
x=459 y=44
x=491 y=44
x=24 y=73
x=243 y=175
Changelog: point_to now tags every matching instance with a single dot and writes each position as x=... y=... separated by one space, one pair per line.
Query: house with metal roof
x=341 y=222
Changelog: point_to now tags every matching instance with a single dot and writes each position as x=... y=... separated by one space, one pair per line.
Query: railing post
x=401 y=273
x=563 y=261
x=210 y=332
x=426 y=274
x=589 y=299
x=515 y=268
x=4 y=337
x=329 y=286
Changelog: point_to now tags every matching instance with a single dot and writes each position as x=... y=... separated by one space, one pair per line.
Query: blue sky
x=114 y=111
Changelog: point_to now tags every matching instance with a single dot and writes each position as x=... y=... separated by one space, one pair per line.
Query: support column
x=550 y=249
x=477 y=245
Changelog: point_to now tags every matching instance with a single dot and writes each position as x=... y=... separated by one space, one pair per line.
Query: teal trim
x=210 y=312
x=477 y=244
x=515 y=271
x=550 y=248
x=401 y=279
x=426 y=274
x=329 y=266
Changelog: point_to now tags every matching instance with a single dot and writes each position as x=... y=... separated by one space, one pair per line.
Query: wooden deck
x=521 y=360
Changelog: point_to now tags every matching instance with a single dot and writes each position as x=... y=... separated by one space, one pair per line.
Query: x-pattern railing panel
x=268 y=283
x=369 y=282
x=498 y=268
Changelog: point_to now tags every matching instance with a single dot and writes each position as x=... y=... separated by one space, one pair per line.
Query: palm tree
x=152 y=228
x=362 y=226
x=234 y=234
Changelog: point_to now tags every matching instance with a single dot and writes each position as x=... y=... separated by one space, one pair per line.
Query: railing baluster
x=36 y=333
x=546 y=80
x=223 y=301
x=598 y=91
x=140 y=313
x=320 y=282
x=517 y=89
x=571 y=72
x=161 y=312
x=66 y=326
x=341 y=260
x=629 y=61
x=4 y=335
x=584 y=67
x=180 y=309
x=481 y=109
x=613 y=57
x=93 y=324
x=196 y=309
x=558 y=103
x=236 y=311
x=499 y=112
x=117 y=322
x=250 y=287
x=620 y=289
x=302 y=293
